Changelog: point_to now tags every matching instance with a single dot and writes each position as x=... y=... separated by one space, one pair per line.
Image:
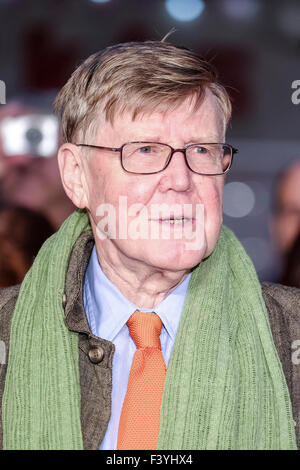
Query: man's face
x=106 y=181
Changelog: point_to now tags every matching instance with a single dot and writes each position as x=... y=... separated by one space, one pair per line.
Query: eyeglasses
x=147 y=158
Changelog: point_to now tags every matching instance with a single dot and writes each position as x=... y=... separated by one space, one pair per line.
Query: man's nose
x=177 y=175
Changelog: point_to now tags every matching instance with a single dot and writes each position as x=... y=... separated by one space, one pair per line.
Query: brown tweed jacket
x=96 y=354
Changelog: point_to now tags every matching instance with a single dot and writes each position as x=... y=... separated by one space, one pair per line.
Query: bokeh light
x=100 y=1
x=186 y=10
x=238 y=199
x=240 y=9
x=289 y=20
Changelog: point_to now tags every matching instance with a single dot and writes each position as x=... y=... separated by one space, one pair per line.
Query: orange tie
x=139 y=421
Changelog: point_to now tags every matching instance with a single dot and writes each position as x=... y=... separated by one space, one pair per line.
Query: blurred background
x=255 y=45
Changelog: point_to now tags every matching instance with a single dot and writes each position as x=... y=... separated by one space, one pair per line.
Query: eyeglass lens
x=152 y=157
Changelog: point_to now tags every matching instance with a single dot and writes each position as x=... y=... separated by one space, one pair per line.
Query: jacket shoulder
x=8 y=298
x=8 y=293
x=283 y=305
x=287 y=297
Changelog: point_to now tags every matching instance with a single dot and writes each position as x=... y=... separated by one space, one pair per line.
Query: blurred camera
x=32 y=134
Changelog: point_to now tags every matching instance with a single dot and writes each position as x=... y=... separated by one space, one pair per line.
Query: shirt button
x=96 y=354
x=64 y=301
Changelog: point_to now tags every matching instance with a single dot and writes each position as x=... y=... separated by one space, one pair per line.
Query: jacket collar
x=75 y=317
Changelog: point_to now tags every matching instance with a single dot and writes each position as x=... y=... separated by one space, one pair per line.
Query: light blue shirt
x=107 y=312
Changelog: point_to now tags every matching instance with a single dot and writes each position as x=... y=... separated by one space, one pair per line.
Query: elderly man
x=142 y=323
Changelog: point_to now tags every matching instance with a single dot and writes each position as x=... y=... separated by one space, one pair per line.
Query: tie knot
x=144 y=329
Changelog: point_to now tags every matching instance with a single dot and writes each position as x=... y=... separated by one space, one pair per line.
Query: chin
x=177 y=258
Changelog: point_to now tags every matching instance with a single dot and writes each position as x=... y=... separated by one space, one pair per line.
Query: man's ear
x=72 y=174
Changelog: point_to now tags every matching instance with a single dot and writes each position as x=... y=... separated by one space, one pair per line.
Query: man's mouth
x=175 y=220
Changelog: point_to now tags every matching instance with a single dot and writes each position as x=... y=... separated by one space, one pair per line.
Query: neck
x=145 y=286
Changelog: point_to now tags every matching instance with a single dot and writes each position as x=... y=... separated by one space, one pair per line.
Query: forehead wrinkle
x=191 y=106
x=161 y=122
x=208 y=139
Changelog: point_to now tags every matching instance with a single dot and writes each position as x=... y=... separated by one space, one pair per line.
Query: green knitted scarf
x=224 y=389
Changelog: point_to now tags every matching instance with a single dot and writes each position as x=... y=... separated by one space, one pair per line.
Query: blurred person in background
x=29 y=175
x=143 y=342
x=285 y=225
x=290 y=275
x=22 y=233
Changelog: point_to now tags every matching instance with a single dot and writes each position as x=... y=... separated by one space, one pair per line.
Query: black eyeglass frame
x=172 y=151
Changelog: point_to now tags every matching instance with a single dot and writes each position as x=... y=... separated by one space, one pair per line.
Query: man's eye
x=146 y=149
x=202 y=150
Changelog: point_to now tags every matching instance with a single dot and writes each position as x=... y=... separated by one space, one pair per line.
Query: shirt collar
x=108 y=310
